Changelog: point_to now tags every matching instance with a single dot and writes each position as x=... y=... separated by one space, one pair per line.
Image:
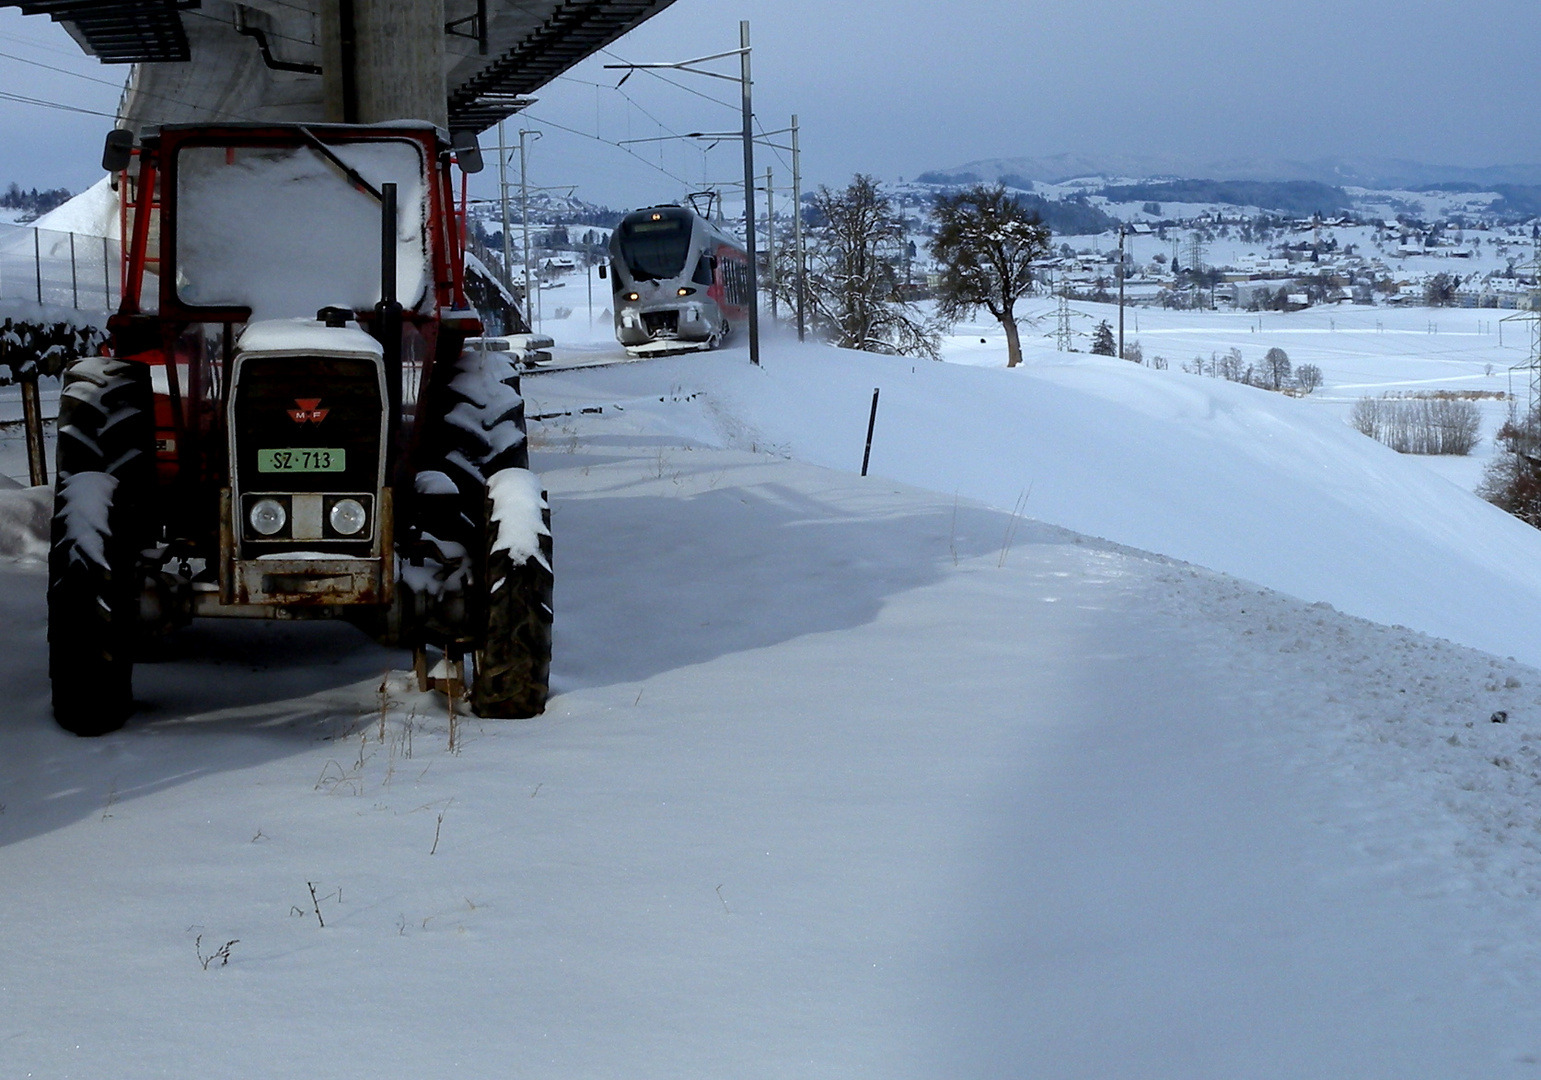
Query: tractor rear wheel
x=105 y=477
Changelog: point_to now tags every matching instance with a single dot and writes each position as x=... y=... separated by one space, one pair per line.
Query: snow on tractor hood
x=307 y=337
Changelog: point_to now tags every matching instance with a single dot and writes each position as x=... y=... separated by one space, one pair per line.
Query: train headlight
x=686 y=291
x=633 y=296
x=347 y=517
x=268 y=517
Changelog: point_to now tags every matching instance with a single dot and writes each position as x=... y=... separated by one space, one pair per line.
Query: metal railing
x=60 y=269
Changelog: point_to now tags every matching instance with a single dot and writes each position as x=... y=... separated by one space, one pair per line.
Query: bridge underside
x=316 y=60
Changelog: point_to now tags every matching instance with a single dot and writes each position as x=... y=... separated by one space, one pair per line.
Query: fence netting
x=60 y=269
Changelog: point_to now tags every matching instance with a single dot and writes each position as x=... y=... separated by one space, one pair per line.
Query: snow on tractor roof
x=307 y=337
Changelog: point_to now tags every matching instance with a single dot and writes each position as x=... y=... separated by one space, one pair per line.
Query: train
x=681 y=283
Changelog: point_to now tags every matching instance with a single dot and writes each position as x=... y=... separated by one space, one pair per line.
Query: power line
x=608 y=142
x=31 y=44
x=24 y=100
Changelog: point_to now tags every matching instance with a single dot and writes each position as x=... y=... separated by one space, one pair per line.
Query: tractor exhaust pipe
x=388 y=323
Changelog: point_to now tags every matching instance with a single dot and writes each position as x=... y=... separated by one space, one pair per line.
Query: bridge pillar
x=383 y=60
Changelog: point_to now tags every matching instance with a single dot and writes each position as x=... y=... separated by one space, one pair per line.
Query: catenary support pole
x=754 y=290
x=797 y=227
x=531 y=310
x=770 y=240
x=508 y=241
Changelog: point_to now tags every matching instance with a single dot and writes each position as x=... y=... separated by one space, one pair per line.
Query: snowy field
x=1060 y=746
x=1362 y=352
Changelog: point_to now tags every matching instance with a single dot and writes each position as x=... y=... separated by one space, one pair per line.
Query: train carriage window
x=703 y=274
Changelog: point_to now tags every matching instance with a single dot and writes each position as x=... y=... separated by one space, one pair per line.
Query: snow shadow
x=665 y=558
x=221 y=695
x=650 y=582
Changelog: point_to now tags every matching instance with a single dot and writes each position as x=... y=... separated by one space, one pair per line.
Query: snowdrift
x=1230 y=477
x=24 y=520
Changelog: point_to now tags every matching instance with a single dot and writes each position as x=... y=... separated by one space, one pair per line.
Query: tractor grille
x=307 y=426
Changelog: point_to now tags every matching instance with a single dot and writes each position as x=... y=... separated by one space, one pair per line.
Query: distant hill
x=1289 y=196
x=1382 y=173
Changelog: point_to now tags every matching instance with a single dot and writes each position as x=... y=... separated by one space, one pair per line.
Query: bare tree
x=1308 y=377
x=853 y=278
x=1276 y=368
x=986 y=242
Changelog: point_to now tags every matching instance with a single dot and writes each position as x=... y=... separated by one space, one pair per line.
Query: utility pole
x=531 y=312
x=754 y=284
x=797 y=227
x=1121 y=292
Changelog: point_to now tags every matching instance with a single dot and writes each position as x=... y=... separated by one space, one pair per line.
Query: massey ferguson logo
x=308 y=411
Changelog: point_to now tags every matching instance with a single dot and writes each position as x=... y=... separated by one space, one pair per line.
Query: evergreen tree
x=1102 y=339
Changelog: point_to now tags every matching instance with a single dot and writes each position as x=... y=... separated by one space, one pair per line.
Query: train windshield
x=656 y=243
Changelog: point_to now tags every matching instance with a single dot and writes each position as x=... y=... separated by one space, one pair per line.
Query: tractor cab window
x=655 y=244
x=281 y=230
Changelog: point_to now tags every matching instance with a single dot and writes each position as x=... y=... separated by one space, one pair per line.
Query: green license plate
x=302 y=460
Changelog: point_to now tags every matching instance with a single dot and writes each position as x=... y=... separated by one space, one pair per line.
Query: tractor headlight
x=347 y=517
x=268 y=517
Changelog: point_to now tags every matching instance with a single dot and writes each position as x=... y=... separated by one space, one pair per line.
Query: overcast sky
x=899 y=87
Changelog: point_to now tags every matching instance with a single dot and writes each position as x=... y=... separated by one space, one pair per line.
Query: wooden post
x=32 y=415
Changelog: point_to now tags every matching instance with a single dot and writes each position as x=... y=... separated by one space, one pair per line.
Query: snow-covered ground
x=979 y=765
x=1361 y=351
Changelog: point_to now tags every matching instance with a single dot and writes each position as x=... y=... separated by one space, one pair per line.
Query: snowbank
x=1227 y=476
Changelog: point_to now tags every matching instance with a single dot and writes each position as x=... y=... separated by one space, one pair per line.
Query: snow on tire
x=513 y=666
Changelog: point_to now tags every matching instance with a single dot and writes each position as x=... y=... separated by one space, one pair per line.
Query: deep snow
x=842 y=776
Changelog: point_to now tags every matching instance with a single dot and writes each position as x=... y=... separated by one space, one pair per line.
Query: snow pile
x=25 y=514
x=94 y=212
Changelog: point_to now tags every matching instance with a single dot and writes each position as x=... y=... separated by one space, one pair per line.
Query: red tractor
x=287 y=423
